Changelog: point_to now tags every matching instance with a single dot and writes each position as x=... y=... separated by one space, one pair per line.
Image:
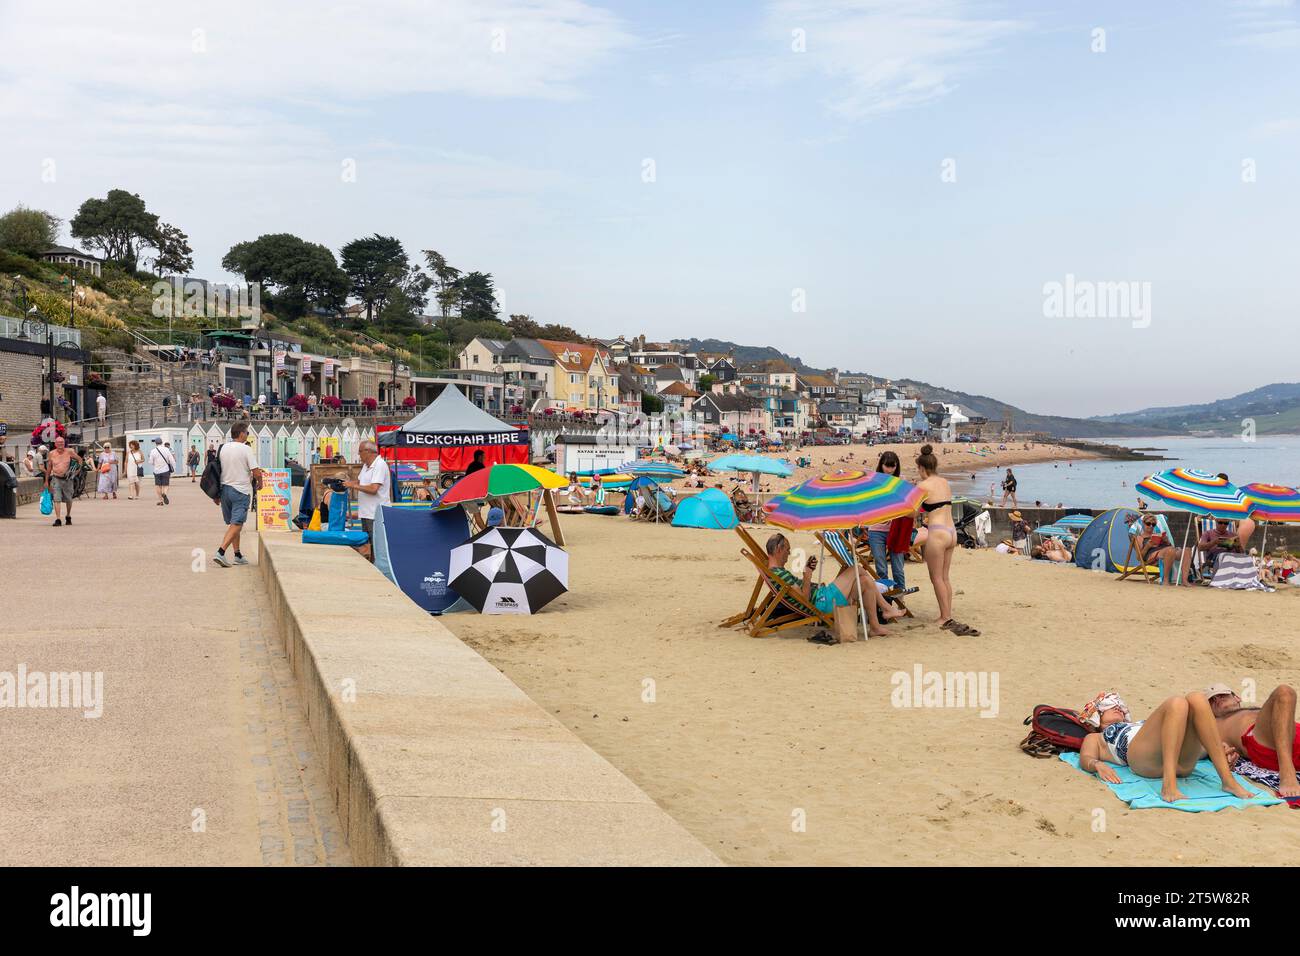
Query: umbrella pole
x=1182 y=572
x=862 y=607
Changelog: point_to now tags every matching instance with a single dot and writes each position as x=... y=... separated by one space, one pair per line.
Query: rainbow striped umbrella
x=843 y=500
x=497 y=481
x=1273 y=502
x=1197 y=491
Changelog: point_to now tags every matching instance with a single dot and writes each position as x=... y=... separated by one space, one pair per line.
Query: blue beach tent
x=1106 y=540
x=709 y=509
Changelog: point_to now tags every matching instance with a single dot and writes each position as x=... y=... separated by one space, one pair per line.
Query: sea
x=1104 y=483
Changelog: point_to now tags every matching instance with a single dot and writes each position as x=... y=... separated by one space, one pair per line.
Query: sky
x=890 y=186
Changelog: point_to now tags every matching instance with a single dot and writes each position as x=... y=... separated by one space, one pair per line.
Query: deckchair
x=773 y=604
x=839 y=548
x=1150 y=572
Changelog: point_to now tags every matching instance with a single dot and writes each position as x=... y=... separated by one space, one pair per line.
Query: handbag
x=105 y=468
x=47 y=502
x=139 y=463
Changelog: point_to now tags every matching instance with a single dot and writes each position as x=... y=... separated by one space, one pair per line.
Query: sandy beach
x=956 y=460
x=743 y=739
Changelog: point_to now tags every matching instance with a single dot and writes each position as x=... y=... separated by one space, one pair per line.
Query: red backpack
x=1052 y=730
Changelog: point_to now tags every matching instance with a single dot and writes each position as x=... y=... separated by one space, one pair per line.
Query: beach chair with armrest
x=773 y=604
x=1150 y=572
x=838 y=546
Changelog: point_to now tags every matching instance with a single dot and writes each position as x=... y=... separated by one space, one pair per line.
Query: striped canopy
x=1073 y=521
x=404 y=471
x=1197 y=491
x=654 y=469
x=757 y=464
x=1273 y=502
x=1053 y=531
x=843 y=501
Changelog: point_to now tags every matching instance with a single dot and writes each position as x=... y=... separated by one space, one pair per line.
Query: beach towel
x=1201 y=790
x=1237 y=572
x=1269 y=778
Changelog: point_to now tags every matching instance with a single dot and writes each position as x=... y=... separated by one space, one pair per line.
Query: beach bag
x=1052 y=730
x=47 y=502
x=210 y=483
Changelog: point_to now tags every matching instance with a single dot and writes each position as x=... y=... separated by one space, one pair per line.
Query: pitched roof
x=669 y=373
x=529 y=349
x=731 y=403
x=574 y=356
x=816 y=381
x=69 y=251
x=679 y=388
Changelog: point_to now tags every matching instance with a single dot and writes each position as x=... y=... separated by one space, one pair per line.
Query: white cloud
x=884 y=55
x=1270 y=24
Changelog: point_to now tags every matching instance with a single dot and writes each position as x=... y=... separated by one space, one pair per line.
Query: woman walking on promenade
x=941 y=540
x=134 y=470
x=1009 y=490
x=108 y=472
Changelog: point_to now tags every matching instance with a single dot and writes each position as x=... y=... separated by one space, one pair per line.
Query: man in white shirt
x=239 y=472
x=101 y=404
x=162 y=463
x=374 y=486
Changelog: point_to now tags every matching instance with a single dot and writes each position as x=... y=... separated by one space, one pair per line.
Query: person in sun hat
x=495 y=517
x=1255 y=732
x=1019 y=532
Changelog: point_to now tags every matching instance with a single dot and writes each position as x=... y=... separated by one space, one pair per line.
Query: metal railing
x=11 y=328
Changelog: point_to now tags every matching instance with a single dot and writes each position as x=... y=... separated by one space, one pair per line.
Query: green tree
x=523 y=327
x=561 y=333
x=706 y=382
x=174 y=253
x=376 y=267
x=28 y=231
x=444 y=280
x=478 y=298
x=119 y=225
x=294 y=273
x=651 y=404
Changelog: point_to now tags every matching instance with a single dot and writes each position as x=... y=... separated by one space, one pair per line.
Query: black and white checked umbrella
x=509 y=571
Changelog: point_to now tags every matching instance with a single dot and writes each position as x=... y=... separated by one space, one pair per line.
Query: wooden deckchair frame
x=782 y=606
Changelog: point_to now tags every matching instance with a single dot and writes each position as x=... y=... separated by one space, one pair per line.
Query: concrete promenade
x=202 y=753
x=436 y=756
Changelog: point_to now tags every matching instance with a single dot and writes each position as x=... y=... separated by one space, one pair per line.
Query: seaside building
x=737 y=411
x=74 y=257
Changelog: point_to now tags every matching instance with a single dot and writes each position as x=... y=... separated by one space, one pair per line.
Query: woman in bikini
x=941 y=538
x=1167 y=744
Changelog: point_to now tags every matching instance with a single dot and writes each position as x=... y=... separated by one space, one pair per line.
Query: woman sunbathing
x=1167 y=744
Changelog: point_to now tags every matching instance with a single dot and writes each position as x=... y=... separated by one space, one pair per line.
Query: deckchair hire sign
x=459 y=439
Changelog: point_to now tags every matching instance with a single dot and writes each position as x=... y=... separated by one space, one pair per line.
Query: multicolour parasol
x=1197 y=491
x=1273 y=502
x=843 y=500
x=499 y=480
x=653 y=469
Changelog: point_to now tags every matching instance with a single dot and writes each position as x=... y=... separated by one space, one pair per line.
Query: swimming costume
x=1119 y=736
x=1266 y=756
x=829 y=597
x=928 y=506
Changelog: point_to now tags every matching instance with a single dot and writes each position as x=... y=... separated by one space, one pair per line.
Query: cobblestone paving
x=297 y=822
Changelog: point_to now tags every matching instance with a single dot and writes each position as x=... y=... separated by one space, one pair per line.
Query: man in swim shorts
x=1255 y=732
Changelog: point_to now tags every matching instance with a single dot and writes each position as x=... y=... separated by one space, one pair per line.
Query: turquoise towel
x=1201 y=789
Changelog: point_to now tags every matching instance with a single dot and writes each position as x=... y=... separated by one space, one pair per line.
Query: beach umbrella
x=498 y=481
x=1054 y=531
x=509 y=571
x=1073 y=521
x=1272 y=503
x=844 y=500
x=653 y=469
x=757 y=464
x=1199 y=492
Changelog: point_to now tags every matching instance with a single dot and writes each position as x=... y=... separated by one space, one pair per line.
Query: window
x=475 y=359
x=573 y=378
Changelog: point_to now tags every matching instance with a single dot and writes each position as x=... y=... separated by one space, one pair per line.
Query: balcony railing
x=11 y=328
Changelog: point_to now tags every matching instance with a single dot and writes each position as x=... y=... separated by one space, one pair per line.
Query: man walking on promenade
x=58 y=478
x=101 y=405
x=162 y=464
x=239 y=470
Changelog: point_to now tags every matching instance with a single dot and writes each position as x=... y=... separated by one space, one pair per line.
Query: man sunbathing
x=1167 y=744
x=1051 y=550
x=1256 y=731
x=841 y=592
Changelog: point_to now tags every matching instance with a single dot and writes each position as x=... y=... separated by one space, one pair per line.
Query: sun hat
x=1015 y=515
x=1216 y=690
